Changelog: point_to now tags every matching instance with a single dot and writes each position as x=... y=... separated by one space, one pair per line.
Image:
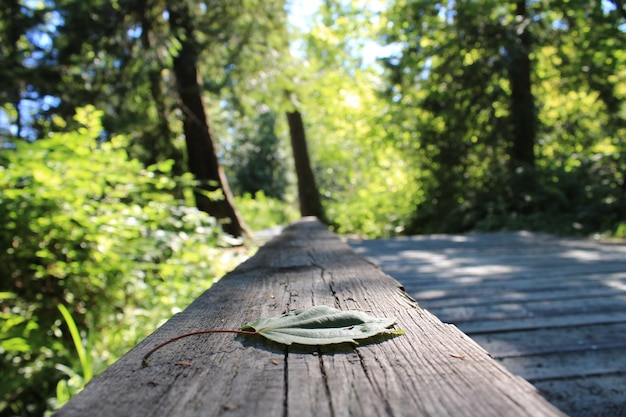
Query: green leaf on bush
x=15 y=344
x=322 y=325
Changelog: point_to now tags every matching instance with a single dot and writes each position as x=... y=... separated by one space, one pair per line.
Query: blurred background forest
x=142 y=140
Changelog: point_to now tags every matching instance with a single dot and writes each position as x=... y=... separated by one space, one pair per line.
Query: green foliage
x=620 y=232
x=90 y=238
x=435 y=152
x=458 y=115
x=257 y=156
x=363 y=178
x=84 y=357
x=262 y=212
x=76 y=381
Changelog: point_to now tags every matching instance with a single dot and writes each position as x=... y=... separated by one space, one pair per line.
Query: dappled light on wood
x=551 y=309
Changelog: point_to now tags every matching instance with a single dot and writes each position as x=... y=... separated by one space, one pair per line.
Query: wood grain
x=432 y=370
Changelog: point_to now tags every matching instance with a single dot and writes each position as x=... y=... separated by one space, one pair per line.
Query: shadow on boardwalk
x=551 y=309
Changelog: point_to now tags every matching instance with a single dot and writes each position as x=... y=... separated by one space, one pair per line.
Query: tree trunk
x=523 y=117
x=158 y=141
x=201 y=156
x=308 y=194
x=13 y=33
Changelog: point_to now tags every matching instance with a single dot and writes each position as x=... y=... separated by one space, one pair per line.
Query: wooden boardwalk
x=551 y=309
x=432 y=370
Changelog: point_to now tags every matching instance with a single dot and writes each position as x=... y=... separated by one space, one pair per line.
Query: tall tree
x=201 y=150
x=10 y=17
x=155 y=144
x=523 y=116
x=308 y=193
x=361 y=177
x=491 y=151
x=25 y=70
x=446 y=86
x=131 y=75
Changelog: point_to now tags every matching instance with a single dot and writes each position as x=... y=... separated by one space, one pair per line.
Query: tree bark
x=523 y=115
x=158 y=146
x=201 y=156
x=308 y=194
x=13 y=34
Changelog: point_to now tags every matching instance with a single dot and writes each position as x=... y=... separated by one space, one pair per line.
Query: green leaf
x=322 y=325
x=14 y=344
x=83 y=356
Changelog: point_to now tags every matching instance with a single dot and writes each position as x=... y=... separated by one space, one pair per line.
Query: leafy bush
x=262 y=212
x=90 y=238
x=582 y=200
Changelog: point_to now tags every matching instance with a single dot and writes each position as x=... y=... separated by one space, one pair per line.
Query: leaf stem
x=144 y=361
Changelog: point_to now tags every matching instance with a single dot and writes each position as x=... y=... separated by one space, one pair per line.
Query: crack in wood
x=325 y=381
x=323 y=274
x=374 y=385
x=286 y=383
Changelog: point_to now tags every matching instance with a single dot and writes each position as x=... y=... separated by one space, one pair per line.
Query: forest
x=144 y=142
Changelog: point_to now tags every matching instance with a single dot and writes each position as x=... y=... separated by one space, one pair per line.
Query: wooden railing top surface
x=432 y=370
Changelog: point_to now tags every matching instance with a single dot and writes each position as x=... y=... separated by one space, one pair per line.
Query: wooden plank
x=550 y=340
x=592 y=396
x=558 y=365
x=550 y=309
x=522 y=243
x=467 y=271
x=532 y=323
x=432 y=370
x=545 y=308
x=518 y=290
x=579 y=369
x=547 y=280
x=611 y=277
x=507 y=276
x=492 y=273
x=492 y=255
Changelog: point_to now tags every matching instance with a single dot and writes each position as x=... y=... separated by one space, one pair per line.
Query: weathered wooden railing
x=431 y=370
